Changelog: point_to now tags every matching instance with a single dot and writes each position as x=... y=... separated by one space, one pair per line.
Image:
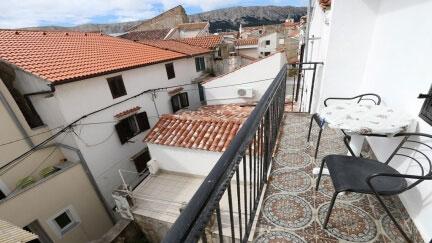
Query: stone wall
x=166 y=20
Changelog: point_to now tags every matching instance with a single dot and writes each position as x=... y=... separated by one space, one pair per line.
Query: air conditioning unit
x=245 y=93
x=153 y=167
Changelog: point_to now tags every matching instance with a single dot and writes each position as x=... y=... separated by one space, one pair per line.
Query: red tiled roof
x=61 y=57
x=209 y=128
x=146 y=35
x=192 y=26
x=127 y=112
x=210 y=41
x=247 y=42
x=325 y=4
x=177 y=46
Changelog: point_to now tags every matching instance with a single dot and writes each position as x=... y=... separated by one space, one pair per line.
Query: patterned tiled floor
x=293 y=211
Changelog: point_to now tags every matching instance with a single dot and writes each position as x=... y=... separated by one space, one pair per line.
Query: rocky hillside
x=230 y=18
x=220 y=20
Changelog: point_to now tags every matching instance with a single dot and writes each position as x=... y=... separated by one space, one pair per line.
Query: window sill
x=68 y=228
x=39 y=127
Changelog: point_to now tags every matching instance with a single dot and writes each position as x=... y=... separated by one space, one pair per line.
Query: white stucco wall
x=183 y=160
x=367 y=51
x=348 y=42
x=398 y=69
x=251 y=51
x=273 y=38
x=256 y=76
x=195 y=162
x=99 y=143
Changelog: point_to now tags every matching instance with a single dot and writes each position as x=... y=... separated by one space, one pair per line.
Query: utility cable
x=70 y=125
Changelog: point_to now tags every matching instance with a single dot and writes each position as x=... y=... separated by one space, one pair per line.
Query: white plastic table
x=361 y=120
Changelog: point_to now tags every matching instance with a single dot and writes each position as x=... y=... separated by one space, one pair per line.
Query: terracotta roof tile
x=69 y=56
x=325 y=4
x=192 y=26
x=209 y=128
x=127 y=112
x=146 y=35
x=210 y=41
x=247 y=42
x=177 y=46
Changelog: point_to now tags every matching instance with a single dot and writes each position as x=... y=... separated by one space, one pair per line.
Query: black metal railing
x=229 y=196
x=303 y=77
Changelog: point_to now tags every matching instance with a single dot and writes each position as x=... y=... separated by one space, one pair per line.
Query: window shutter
x=197 y=64
x=202 y=63
x=175 y=103
x=122 y=131
x=184 y=99
x=143 y=122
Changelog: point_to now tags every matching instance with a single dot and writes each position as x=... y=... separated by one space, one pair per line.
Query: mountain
x=230 y=18
x=104 y=28
x=220 y=20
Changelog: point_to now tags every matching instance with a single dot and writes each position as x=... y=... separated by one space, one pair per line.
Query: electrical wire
x=24 y=138
x=95 y=144
x=70 y=125
x=42 y=162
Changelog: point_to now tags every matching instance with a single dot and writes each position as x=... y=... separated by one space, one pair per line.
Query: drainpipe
x=91 y=178
x=12 y=114
x=306 y=39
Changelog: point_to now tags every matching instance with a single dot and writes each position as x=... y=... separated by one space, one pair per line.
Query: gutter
x=52 y=90
x=12 y=114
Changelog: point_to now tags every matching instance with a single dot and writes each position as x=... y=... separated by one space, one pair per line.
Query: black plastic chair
x=370 y=97
x=353 y=174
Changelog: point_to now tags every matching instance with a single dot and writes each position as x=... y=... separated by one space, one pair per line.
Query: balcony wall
x=45 y=198
x=381 y=47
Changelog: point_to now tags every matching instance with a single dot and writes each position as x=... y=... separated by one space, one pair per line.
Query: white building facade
x=246 y=84
x=97 y=137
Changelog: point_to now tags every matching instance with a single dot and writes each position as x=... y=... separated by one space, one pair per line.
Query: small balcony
x=263 y=188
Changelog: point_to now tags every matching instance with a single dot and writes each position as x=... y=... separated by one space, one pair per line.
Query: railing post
x=312 y=87
x=267 y=139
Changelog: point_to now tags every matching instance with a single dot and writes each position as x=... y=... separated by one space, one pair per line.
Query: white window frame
x=73 y=216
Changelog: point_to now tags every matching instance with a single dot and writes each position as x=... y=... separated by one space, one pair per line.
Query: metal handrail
x=266 y=117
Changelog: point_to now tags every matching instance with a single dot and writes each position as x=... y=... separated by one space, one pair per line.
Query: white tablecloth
x=365 y=118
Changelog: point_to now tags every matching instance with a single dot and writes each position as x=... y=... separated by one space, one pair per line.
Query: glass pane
x=63 y=220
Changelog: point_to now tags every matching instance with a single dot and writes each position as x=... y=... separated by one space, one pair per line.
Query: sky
x=29 y=13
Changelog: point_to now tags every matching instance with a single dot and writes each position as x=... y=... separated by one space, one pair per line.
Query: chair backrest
x=368 y=97
x=417 y=149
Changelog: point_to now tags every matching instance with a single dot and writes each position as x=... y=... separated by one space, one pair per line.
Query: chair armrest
x=406 y=176
x=355 y=97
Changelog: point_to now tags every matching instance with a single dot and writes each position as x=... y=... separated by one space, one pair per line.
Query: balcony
x=262 y=188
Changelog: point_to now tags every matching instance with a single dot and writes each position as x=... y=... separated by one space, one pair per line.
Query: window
x=267 y=42
x=36 y=228
x=170 y=70
x=131 y=126
x=201 y=92
x=426 y=111
x=199 y=64
x=2 y=195
x=179 y=101
x=116 y=86
x=29 y=112
x=64 y=221
x=141 y=160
